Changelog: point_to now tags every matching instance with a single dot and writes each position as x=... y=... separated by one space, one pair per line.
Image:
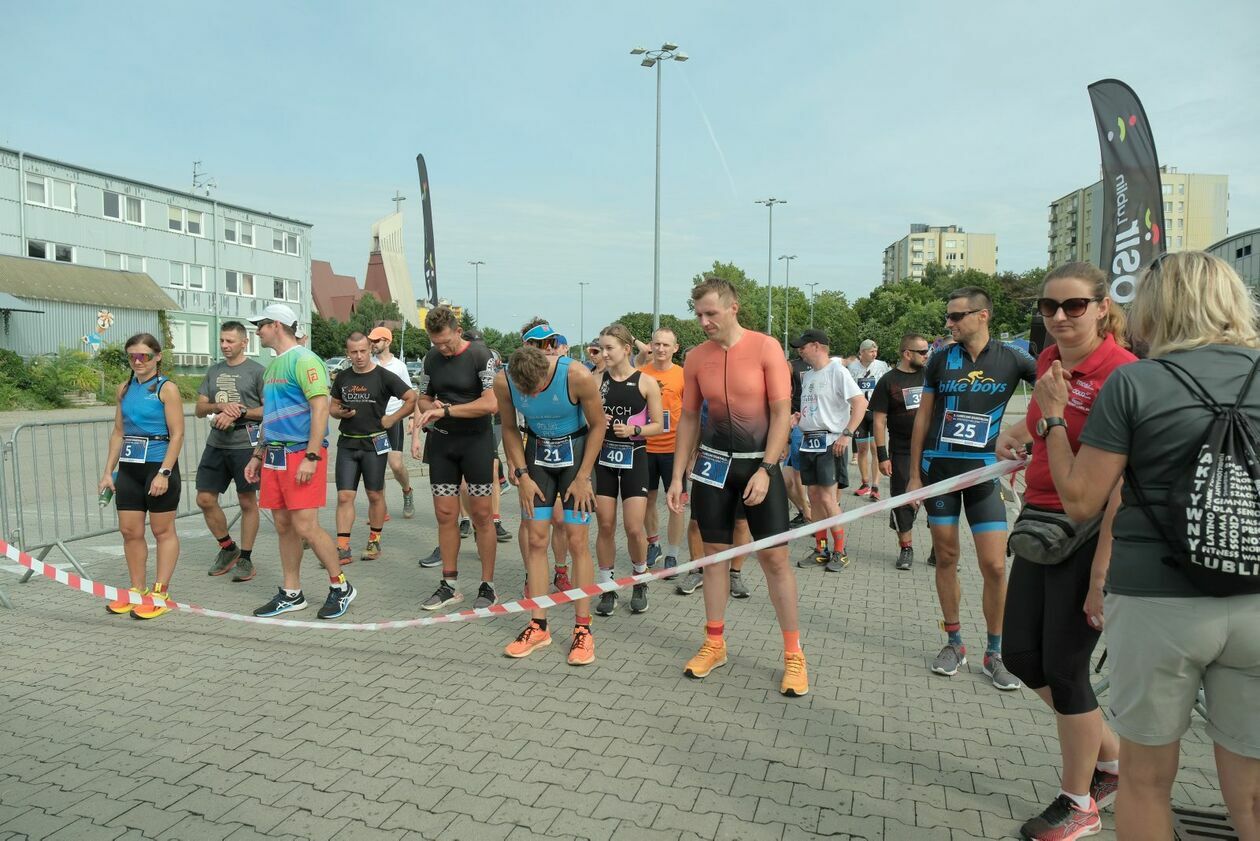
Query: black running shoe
x=500 y=533
x=932 y=558
x=445 y=594
x=486 y=595
x=465 y=528
x=798 y=520
x=905 y=559
x=338 y=601
x=607 y=604
x=281 y=603
x=638 y=599
x=433 y=559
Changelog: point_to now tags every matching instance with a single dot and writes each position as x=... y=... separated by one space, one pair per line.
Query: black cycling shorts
x=826 y=469
x=356 y=463
x=220 y=467
x=553 y=482
x=900 y=519
x=985 y=509
x=715 y=510
x=866 y=429
x=131 y=488
x=460 y=457
x=395 y=434
x=626 y=483
x=660 y=471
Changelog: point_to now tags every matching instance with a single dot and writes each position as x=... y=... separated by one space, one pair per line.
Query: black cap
x=810 y=335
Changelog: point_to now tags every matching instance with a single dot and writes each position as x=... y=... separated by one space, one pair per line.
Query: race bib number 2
x=553 y=452
x=966 y=429
x=711 y=468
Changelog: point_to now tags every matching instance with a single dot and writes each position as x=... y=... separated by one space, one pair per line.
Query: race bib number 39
x=867 y=384
x=913 y=396
x=966 y=429
x=619 y=455
x=553 y=452
x=711 y=468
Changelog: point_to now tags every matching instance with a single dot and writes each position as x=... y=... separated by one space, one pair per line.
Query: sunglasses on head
x=141 y=357
x=1072 y=307
x=959 y=316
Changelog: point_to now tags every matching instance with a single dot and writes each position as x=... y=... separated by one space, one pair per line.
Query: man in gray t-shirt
x=231 y=396
x=1145 y=414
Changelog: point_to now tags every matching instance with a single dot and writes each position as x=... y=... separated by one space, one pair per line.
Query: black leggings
x=1045 y=638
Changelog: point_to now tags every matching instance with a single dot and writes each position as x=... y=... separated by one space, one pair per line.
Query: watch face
x=1042 y=428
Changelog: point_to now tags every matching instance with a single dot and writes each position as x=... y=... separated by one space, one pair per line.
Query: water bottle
x=107 y=495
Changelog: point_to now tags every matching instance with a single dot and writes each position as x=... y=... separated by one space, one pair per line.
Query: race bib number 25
x=966 y=429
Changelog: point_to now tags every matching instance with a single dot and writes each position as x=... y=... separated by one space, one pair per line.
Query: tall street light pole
x=477 y=264
x=582 y=284
x=787 y=285
x=655 y=58
x=811 y=302
x=770 y=203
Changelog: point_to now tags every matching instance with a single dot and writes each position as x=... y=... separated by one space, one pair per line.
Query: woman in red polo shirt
x=1053 y=610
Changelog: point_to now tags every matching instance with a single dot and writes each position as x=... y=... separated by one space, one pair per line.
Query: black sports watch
x=1046 y=424
x=520 y=471
x=312 y=456
x=768 y=466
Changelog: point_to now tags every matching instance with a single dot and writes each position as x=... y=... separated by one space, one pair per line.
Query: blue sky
x=538 y=125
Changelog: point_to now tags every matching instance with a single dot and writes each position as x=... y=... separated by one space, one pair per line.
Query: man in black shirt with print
x=455 y=411
x=360 y=395
x=894 y=403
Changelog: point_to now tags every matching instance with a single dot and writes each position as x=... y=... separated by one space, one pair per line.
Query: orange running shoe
x=141 y=611
x=712 y=654
x=533 y=637
x=122 y=606
x=795 y=678
x=582 y=651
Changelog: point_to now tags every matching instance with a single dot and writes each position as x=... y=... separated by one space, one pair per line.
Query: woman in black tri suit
x=632 y=404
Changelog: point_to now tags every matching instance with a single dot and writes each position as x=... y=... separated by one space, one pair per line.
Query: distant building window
x=1179 y=242
x=125 y=262
x=175 y=219
x=1168 y=207
x=1167 y=188
x=41 y=250
x=1181 y=223
x=286 y=243
x=1240 y=253
x=124 y=208
x=949 y=243
x=194 y=219
x=50 y=192
x=1181 y=189
x=179 y=275
x=182 y=220
x=251 y=344
x=198 y=337
x=239 y=283
x=241 y=233
x=1181 y=207
x=196 y=277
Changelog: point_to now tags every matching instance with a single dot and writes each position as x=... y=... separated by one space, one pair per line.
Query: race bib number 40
x=553 y=452
x=618 y=455
x=966 y=429
x=711 y=468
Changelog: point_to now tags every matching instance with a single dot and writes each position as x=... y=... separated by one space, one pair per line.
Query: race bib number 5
x=134 y=450
x=966 y=429
x=553 y=452
x=711 y=468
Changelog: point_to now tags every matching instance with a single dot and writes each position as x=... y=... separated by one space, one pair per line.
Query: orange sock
x=837 y=539
x=791 y=641
x=343 y=540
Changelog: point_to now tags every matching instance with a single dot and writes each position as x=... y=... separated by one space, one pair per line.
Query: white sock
x=292 y=594
x=450 y=582
x=1110 y=767
x=639 y=569
x=489 y=584
x=604 y=575
x=1081 y=800
x=671 y=551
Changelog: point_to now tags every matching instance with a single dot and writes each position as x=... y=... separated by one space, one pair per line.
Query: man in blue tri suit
x=559 y=402
x=965 y=392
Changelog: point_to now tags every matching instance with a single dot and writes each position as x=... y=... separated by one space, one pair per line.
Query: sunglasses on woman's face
x=1072 y=307
x=542 y=343
x=139 y=358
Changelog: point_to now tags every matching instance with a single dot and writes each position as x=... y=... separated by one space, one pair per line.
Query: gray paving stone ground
x=189 y=728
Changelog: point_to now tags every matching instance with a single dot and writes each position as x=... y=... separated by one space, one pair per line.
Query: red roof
x=335 y=295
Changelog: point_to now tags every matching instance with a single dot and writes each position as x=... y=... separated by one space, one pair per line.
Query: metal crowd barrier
x=48 y=481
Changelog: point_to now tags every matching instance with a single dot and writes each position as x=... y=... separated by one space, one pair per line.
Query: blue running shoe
x=654 y=554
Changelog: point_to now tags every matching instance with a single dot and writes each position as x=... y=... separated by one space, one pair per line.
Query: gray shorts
x=1160 y=650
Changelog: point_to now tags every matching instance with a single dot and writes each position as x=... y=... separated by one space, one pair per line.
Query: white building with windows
x=218 y=262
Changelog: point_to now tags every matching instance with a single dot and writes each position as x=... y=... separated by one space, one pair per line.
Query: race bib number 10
x=814 y=442
x=966 y=429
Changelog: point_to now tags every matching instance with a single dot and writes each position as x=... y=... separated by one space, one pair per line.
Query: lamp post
x=655 y=58
x=787 y=285
x=477 y=264
x=770 y=203
x=582 y=284
x=811 y=302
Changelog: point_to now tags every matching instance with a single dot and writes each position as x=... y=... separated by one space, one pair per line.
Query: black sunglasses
x=263 y=323
x=923 y=352
x=959 y=316
x=1072 y=307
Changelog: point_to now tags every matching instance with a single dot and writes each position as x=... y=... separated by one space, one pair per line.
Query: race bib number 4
x=134 y=450
x=553 y=452
x=913 y=396
x=814 y=442
x=966 y=429
x=381 y=443
x=711 y=468
x=619 y=455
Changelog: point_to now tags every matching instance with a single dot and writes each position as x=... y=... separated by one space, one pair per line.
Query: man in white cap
x=382 y=338
x=291 y=465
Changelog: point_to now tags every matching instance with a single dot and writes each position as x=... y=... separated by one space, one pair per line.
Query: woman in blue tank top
x=144 y=447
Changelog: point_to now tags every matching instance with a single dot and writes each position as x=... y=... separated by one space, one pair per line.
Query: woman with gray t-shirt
x=1165 y=638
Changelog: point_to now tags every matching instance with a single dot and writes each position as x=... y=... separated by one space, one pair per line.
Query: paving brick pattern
x=188 y=728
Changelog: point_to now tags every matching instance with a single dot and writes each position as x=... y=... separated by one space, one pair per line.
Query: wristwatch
x=520 y=471
x=311 y=456
x=446 y=411
x=847 y=433
x=638 y=430
x=1046 y=424
x=164 y=471
x=768 y=466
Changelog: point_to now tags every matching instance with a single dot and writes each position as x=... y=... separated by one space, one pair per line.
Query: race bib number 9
x=553 y=452
x=966 y=429
x=277 y=458
x=913 y=396
x=711 y=468
x=134 y=450
x=618 y=455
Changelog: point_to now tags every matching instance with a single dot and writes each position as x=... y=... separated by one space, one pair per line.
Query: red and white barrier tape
x=105 y=591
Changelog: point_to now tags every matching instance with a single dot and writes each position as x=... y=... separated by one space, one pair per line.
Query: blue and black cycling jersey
x=969 y=399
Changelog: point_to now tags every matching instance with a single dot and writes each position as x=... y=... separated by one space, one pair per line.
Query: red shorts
x=279 y=488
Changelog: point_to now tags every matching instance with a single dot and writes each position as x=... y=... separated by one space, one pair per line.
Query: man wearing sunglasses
x=965 y=392
x=894 y=406
x=382 y=339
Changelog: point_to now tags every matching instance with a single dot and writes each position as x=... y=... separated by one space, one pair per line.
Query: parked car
x=415 y=370
x=335 y=364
